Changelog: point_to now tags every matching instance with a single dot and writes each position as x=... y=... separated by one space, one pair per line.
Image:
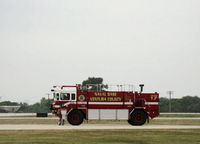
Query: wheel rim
x=75 y=118
x=138 y=118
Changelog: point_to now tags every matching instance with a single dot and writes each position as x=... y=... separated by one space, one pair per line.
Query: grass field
x=101 y=137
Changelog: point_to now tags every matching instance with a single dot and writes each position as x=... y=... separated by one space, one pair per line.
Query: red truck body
x=78 y=104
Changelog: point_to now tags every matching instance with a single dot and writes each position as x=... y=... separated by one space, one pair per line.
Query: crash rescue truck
x=76 y=103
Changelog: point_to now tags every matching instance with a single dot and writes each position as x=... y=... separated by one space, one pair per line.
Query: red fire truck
x=76 y=103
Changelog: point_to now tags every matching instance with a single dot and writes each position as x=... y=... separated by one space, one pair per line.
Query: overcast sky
x=54 y=42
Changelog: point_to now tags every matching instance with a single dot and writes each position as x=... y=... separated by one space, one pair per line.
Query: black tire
x=137 y=118
x=75 y=117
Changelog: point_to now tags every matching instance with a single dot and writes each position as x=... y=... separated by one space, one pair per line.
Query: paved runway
x=31 y=116
x=91 y=127
x=159 y=118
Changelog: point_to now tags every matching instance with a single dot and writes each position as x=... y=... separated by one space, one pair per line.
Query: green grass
x=101 y=137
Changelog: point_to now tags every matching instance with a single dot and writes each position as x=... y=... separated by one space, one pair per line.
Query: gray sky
x=55 y=42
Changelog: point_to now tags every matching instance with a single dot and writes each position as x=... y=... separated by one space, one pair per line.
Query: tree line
x=42 y=106
x=184 y=104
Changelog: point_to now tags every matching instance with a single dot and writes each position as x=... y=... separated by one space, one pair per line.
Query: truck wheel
x=75 y=117
x=137 y=118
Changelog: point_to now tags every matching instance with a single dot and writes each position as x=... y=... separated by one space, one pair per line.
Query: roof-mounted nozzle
x=141 y=87
x=54 y=88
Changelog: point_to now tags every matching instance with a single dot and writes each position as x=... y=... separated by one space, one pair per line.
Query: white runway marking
x=91 y=127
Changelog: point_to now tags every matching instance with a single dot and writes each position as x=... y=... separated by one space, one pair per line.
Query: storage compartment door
x=93 y=114
x=122 y=114
x=108 y=114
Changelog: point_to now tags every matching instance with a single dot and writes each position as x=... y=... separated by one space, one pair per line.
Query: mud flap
x=147 y=119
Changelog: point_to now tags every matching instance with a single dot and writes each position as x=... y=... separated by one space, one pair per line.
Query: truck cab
x=62 y=96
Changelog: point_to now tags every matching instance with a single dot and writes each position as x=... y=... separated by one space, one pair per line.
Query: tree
x=24 y=107
x=185 y=104
x=42 y=106
x=190 y=104
x=94 y=84
x=45 y=104
x=164 y=104
x=8 y=103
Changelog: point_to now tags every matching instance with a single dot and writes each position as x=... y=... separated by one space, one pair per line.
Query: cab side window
x=73 y=96
x=57 y=96
x=64 y=96
x=68 y=96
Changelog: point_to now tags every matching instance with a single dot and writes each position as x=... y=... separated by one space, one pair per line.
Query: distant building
x=9 y=109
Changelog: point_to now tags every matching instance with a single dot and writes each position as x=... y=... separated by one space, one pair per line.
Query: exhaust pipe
x=141 y=87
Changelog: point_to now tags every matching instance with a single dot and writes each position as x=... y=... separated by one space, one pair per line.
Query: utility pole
x=48 y=94
x=170 y=96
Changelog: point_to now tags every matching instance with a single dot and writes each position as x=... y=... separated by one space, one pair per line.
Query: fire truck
x=76 y=103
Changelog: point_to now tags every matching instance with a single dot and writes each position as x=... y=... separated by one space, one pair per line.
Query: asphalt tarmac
x=83 y=126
